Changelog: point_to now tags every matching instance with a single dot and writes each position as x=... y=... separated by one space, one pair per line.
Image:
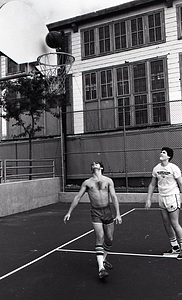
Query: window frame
x=112 y=29
x=131 y=95
x=179 y=20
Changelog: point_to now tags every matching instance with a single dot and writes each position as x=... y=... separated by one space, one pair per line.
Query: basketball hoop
x=55 y=66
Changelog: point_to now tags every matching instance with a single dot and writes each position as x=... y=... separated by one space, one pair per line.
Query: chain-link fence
x=127 y=140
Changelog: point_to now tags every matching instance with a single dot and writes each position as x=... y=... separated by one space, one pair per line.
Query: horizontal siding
x=171 y=49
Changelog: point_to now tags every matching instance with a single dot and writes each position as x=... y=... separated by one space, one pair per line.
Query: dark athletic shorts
x=102 y=215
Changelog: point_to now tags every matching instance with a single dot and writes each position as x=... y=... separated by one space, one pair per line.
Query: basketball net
x=54 y=67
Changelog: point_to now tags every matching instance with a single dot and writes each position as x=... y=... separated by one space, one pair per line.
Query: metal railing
x=1 y=170
x=25 y=169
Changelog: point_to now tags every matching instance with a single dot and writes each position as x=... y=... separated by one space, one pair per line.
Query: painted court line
x=120 y=253
x=54 y=250
x=46 y=254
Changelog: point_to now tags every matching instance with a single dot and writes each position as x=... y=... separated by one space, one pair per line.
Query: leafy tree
x=24 y=100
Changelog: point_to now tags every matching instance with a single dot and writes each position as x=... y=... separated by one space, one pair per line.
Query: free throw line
x=120 y=253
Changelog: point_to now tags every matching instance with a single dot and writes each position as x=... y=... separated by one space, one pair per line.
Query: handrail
x=15 y=170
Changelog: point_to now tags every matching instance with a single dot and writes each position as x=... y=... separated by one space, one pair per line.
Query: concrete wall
x=122 y=197
x=26 y=195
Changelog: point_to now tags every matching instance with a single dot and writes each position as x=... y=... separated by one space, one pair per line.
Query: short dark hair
x=169 y=151
x=102 y=166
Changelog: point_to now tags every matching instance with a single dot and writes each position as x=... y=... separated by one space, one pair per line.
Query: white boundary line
x=46 y=254
x=120 y=253
x=54 y=250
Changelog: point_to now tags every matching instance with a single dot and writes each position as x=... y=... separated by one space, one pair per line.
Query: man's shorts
x=171 y=202
x=102 y=215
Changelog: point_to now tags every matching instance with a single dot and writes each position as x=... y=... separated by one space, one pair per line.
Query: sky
x=51 y=11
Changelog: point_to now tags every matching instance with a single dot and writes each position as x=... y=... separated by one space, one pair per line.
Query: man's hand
x=118 y=220
x=66 y=218
x=148 y=204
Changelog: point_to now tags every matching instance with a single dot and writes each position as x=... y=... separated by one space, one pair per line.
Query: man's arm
x=151 y=188
x=179 y=181
x=75 y=201
x=115 y=202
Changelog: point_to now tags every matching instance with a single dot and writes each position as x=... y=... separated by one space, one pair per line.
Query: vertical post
x=62 y=150
x=30 y=157
x=5 y=171
x=125 y=152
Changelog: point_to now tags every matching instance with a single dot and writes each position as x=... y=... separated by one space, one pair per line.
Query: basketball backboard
x=22 y=32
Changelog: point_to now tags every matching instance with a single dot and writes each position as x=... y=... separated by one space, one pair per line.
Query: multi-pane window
x=158 y=94
x=13 y=67
x=104 y=39
x=140 y=96
x=137 y=31
x=122 y=81
x=89 y=42
x=154 y=24
x=124 y=34
x=106 y=84
x=120 y=35
x=131 y=95
x=141 y=111
x=124 y=111
x=179 y=21
x=139 y=74
x=122 y=77
x=90 y=86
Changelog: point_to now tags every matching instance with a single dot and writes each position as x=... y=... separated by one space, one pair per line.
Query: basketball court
x=42 y=258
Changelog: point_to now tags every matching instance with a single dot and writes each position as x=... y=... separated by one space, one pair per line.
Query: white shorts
x=171 y=202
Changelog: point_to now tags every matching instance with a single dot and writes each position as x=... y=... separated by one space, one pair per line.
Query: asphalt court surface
x=42 y=258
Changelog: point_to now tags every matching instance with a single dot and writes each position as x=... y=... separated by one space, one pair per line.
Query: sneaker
x=103 y=273
x=179 y=257
x=173 y=250
x=107 y=265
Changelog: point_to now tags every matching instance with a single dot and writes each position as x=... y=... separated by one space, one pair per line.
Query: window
x=124 y=111
x=154 y=24
x=122 y=77
x=106 y=84
x=89 y=42
x=158 y=84
x=179 y=21
x=91 y=87
x=139 y=74
x=137 y=31
x=125 y=34
x=104 y=39
x=14 y=67
x=140 y=87
x=138 y=99
x=122 y=81
x=120 y=35
x=141 y=112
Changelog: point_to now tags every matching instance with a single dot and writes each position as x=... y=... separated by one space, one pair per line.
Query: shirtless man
x=100 y=188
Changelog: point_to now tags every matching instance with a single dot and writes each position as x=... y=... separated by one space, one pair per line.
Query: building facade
x=124 y=89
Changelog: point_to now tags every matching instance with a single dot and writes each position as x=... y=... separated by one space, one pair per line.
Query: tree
x=24 y=100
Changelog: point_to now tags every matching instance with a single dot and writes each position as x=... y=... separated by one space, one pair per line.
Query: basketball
x=54 y=39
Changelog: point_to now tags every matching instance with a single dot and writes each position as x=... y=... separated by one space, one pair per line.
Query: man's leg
x=99 y=241
x=174 y=219
x=108 y=239
x=169 y=228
